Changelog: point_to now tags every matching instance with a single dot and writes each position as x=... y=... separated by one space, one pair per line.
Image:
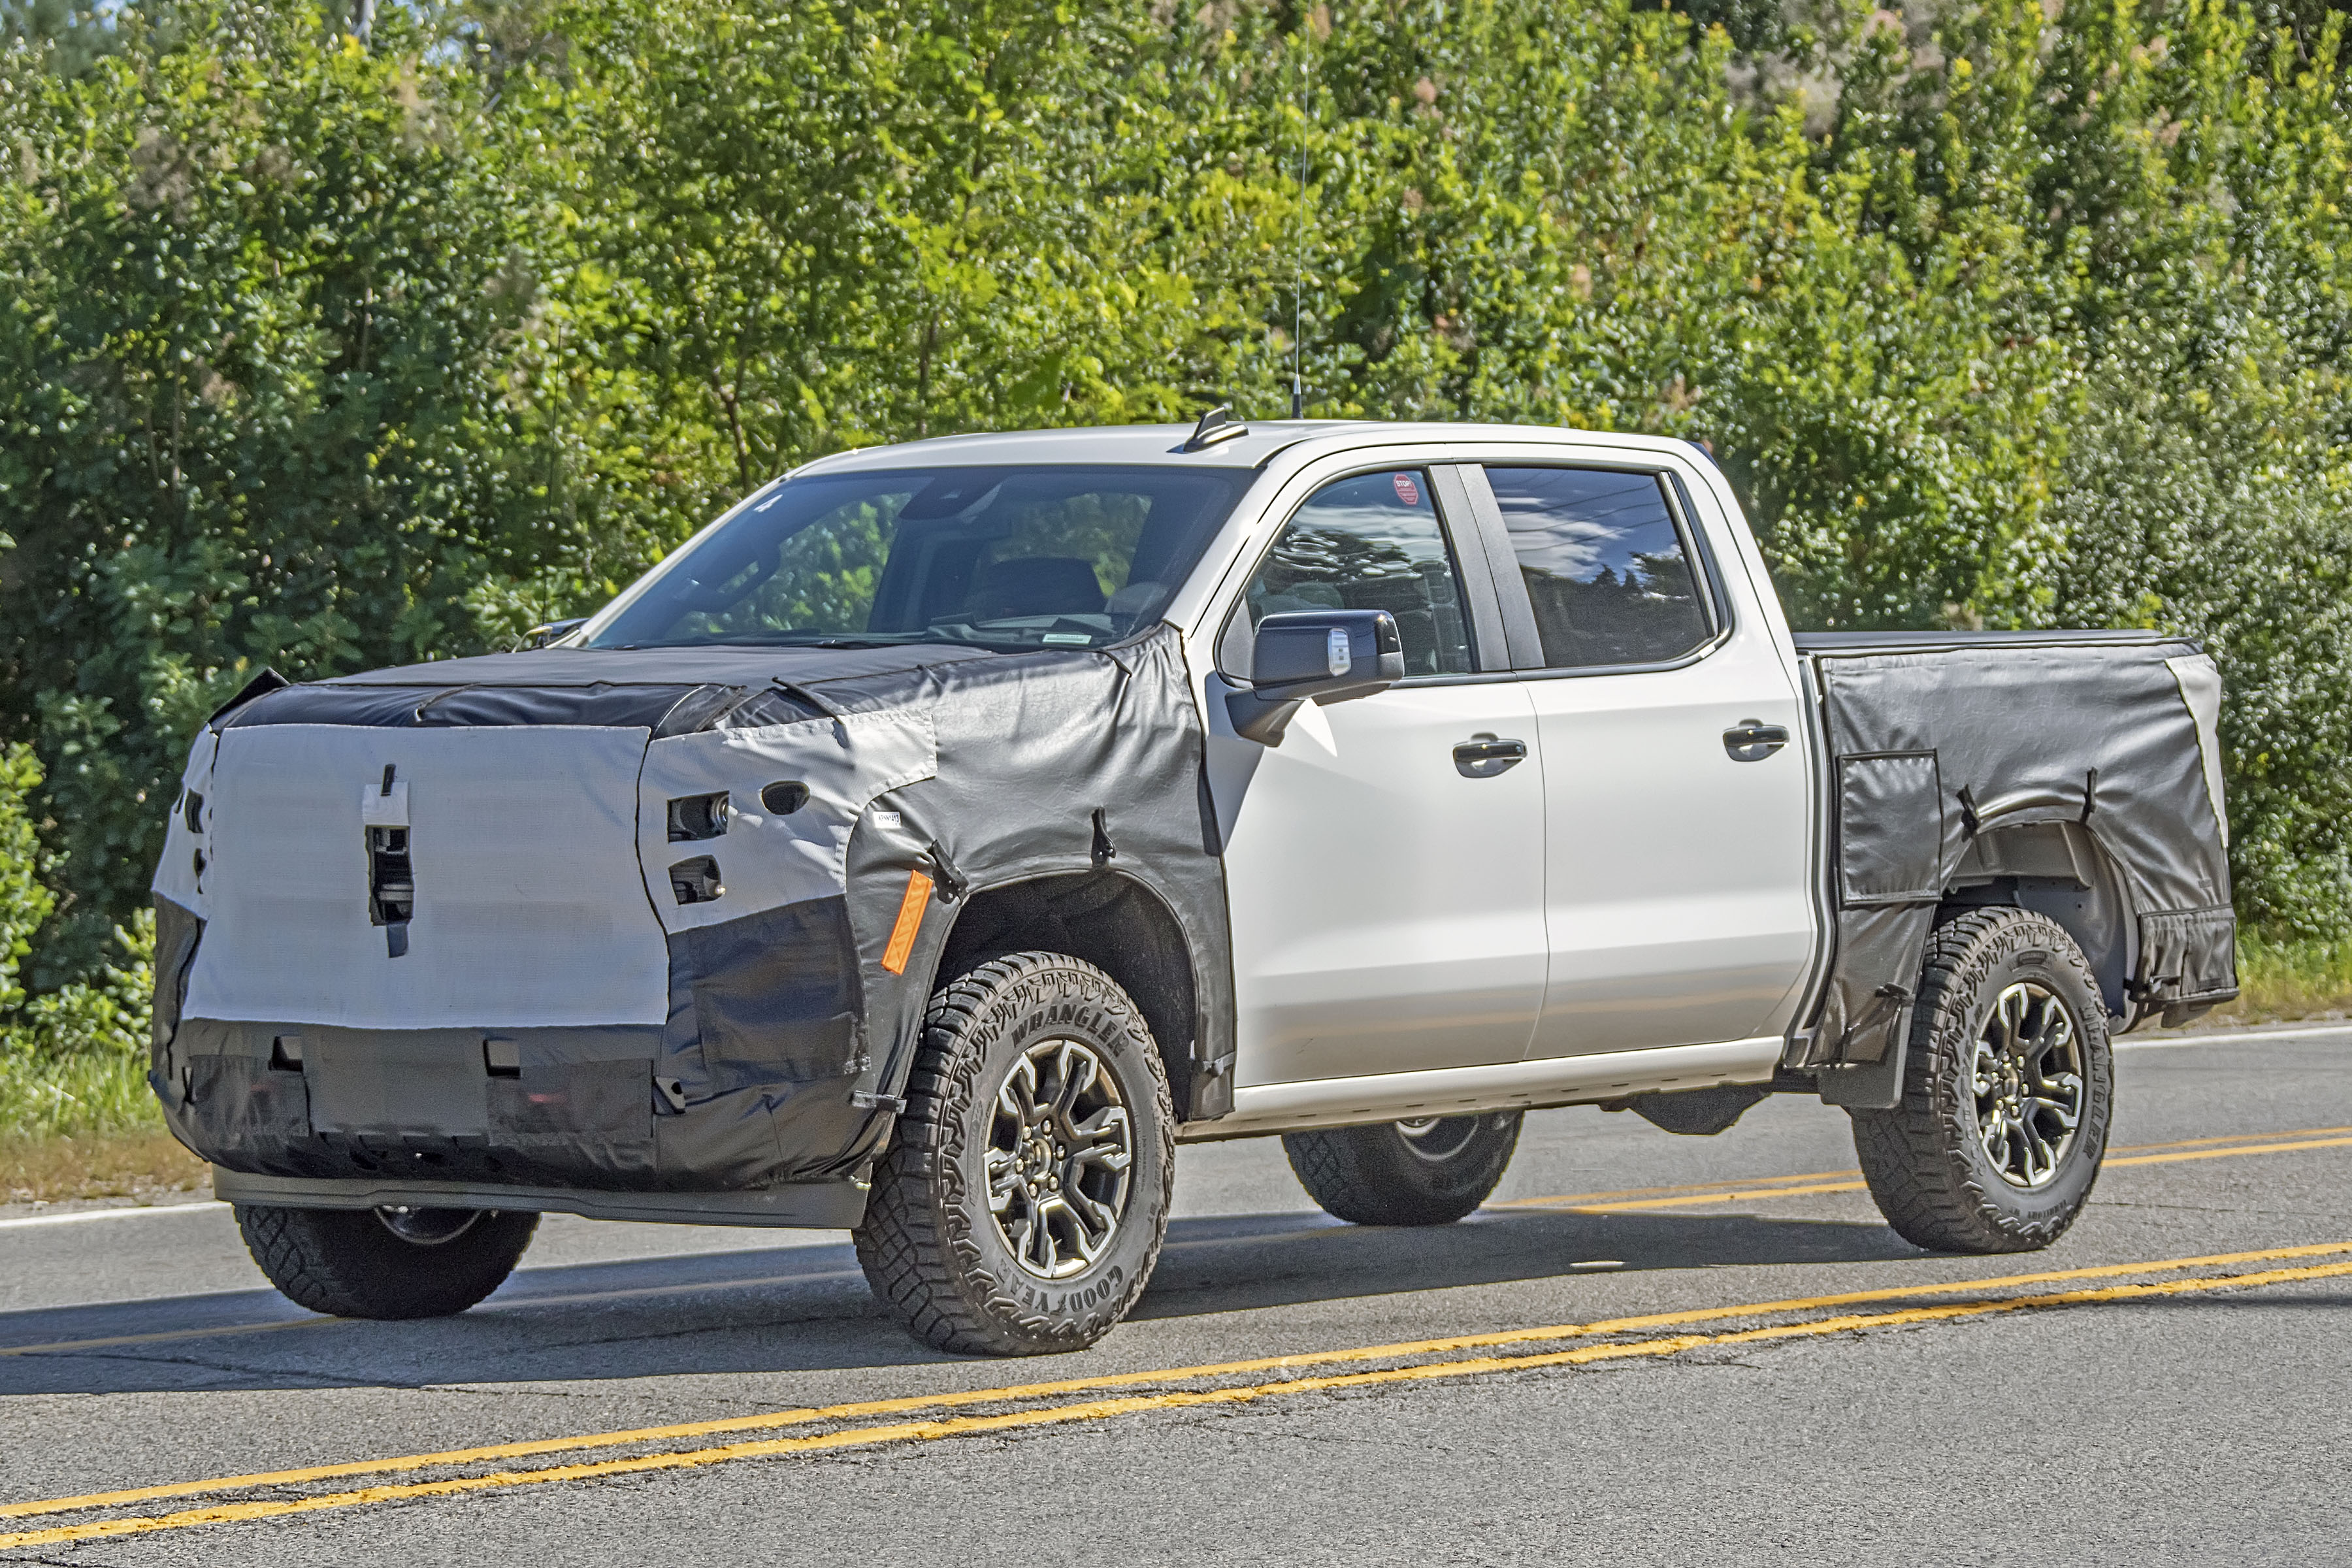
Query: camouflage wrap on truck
x=649 y=921
x=2075 y=773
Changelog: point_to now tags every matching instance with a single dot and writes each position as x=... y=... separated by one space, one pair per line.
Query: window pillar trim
x=1485 y=592
x=1520 y=636
x=1702 y=561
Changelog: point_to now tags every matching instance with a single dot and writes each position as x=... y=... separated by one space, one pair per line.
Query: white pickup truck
x=949 y=831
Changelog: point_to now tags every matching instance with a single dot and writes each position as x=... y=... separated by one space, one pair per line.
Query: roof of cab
x=1123 y=444
x=1119 y=444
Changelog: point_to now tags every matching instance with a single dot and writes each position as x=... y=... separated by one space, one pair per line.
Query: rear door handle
x=1484 y=755
x=1752 y=740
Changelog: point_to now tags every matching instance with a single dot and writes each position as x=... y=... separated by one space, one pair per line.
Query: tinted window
x=1371 y=542
x=1603 y=563
x=1009 y=558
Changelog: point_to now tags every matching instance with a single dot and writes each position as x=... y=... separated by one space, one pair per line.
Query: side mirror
x=1330 y=656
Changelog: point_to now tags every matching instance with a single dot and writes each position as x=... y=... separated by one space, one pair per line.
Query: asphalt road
x=675 y=1392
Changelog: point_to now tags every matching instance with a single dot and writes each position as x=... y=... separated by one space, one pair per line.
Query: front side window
x=1006 y=558
x=1605 y=567
x=1371 y=542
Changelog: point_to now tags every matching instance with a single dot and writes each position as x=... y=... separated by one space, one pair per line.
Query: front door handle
x=1753 y=739
x=1484 y=754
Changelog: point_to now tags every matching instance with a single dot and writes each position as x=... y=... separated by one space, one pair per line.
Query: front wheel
x=1023 y=1203
x=384 y=1263
x=1431 y=1171
x=2007 y=1088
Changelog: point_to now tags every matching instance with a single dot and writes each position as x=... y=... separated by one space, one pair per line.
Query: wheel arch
x=1117 y=922
x=2059 y=869
x=2055 y=868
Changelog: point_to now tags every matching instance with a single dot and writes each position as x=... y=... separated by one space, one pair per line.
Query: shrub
x=74 y=1058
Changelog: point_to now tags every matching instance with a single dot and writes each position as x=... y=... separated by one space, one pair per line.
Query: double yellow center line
x=930 y=1417
x=1632 y=1201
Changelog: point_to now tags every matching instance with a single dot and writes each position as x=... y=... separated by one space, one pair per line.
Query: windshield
x=1003 y=558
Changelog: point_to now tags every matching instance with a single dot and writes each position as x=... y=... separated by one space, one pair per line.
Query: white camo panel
x=530 y=910
x=767 y=860
x=176 y=877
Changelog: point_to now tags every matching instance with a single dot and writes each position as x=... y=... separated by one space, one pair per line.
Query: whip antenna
x=1298 y=241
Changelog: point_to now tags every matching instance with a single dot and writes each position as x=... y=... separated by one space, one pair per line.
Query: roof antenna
x=1217 y=425
x=1298 y=240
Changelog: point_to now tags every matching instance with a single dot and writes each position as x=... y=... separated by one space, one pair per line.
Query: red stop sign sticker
x=1407 y=491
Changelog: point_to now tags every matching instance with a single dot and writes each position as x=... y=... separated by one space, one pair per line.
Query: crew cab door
x=1678 y=900
x=1384 y=863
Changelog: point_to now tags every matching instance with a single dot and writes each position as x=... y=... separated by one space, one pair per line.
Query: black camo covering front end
x=786 y=1038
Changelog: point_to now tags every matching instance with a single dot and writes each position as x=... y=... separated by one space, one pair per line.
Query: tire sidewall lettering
x=982 y=1035
x=1991 y=967
x=1038 y=1296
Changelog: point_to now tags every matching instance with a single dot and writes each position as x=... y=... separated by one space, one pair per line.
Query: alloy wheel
x=1060 y=1152
x=1438 y=1139
x=2028 y=1080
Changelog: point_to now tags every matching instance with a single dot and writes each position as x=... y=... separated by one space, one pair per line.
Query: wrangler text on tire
x=1021 y=1205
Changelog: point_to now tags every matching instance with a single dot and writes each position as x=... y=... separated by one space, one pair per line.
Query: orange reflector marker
x=910 y=921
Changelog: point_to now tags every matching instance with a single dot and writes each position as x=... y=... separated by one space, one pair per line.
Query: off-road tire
x=1385 y=1175
x=1924 y=1159
x=931 y=1247
x=348 y=1263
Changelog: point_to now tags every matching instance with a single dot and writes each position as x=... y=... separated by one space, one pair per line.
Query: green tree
x=268 y=315
x=328 y=357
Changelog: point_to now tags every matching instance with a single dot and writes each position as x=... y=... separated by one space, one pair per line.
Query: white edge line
x=2239 y=1037
x=207 y=1206
x=2169 y=1042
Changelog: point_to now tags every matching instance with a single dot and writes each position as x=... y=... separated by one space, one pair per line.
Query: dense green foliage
x=322 y=357
x=73 y=1058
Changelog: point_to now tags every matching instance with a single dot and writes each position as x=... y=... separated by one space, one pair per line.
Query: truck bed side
x=2076 y=774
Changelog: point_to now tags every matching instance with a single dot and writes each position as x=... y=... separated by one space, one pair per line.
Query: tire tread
x=942 y=1286
x=1365 y=1176
x=344 y=1264
x=1913 y=1157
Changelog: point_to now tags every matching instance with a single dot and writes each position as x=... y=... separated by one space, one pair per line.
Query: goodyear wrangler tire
x=1021 y=1205
x=2007 y=1088
x=1431 y=1171
x=384 y=1263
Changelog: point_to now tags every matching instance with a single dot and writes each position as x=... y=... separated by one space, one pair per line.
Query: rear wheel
x=384 y=1263
x=2007 y=1088
x=1430 y=1170
x=1023 y=1203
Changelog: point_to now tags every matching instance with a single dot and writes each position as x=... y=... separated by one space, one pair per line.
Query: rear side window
x=1609 y=574
x=1372 y=541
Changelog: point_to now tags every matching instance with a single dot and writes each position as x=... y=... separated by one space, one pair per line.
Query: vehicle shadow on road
x=1323 y=1260
x=806 y=1307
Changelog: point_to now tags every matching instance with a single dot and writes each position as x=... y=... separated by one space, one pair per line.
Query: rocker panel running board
x=1503 y=1086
